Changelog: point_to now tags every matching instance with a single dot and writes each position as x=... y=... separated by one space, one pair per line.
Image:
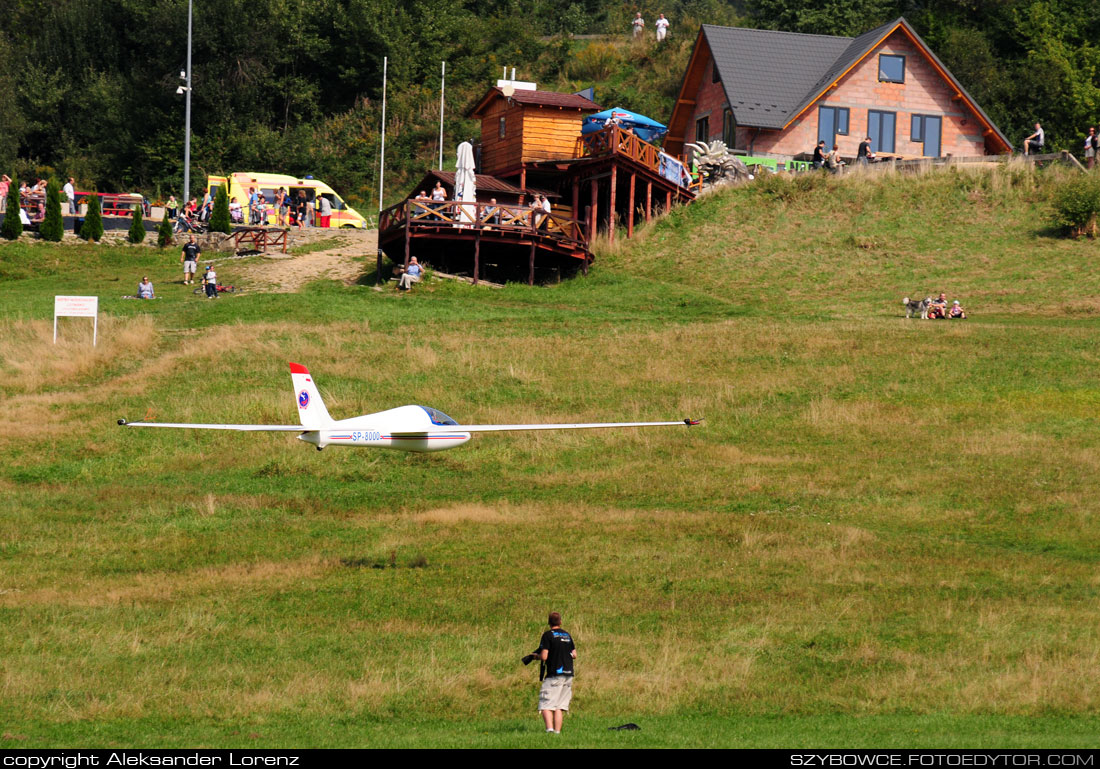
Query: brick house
x=778 y=93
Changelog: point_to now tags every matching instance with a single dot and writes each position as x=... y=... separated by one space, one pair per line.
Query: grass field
x=884 y=534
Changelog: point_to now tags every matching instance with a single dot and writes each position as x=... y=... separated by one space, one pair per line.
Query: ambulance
x=239 y=185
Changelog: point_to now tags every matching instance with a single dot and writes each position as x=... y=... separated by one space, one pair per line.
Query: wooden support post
x=576 y=200
x=531 y=266
x=668 y=201
x=611 y=206
x=378 y=273
x=648 y=200
x=630 y=213
x=477 y=256
x=592 y=220
x=408 y=233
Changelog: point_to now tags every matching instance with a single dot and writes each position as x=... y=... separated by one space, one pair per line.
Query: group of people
x=939 y=310
x=638 y=26
x=492 y=214
x=830 y=160
x=189 y=257
x=289 y=211
x=33 y=196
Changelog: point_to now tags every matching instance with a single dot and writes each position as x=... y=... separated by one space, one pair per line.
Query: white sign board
x=76 y=307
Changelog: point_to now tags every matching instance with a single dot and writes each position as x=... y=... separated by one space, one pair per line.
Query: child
x=957 y=312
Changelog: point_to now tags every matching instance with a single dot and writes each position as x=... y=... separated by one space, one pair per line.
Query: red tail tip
x=298 y=368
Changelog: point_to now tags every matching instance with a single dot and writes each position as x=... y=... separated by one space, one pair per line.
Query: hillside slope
x=857 y=245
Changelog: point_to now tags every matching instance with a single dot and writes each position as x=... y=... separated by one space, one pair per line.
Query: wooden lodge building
x=531 y=142
x=777 y=94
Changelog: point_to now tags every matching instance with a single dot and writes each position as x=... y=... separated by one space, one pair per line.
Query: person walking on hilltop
x=662 y=27
x=557 y=652
x=638 y=25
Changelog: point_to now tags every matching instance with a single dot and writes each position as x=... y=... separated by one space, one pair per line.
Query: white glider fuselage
x=405 y=428
x=414 y=427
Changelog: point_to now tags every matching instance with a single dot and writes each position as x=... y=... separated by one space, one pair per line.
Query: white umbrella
x=466 y=182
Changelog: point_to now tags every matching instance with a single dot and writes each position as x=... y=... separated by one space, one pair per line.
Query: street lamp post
x=187 y=116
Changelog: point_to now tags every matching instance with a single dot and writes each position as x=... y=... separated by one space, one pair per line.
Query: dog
x=914 y=306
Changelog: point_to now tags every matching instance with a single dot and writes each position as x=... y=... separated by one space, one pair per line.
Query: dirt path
x=344 y=259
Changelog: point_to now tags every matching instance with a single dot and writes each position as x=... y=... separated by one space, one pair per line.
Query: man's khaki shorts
x=555 y=693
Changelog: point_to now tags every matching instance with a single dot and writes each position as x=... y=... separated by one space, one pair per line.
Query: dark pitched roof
x=541 y=99
x=776 y=75
x=767 y=74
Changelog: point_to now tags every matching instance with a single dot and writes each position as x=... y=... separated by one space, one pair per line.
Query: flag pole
x=442 y=89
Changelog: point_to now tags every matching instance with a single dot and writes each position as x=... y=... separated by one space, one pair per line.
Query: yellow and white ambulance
x=240 y=185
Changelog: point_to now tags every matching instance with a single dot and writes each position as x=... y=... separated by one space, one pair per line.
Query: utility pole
x=187 y=117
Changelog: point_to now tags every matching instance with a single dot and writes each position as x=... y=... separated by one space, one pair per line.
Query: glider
x=406 y=428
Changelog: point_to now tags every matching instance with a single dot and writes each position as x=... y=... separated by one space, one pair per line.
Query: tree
x=13 y=225
x=93 y=220
x=137 y=227
x=53 y=226
x=164 y=232
x=219 y=218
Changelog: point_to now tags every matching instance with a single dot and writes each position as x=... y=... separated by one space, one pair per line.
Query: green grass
x=882 y=535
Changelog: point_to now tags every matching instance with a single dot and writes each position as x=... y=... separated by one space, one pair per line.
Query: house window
x=927 y=129
x=702 y=129
x=891 y=68
x=830 y=122
x=880 y=127
x=502 y=128
x=714 y=72
x=729 y=128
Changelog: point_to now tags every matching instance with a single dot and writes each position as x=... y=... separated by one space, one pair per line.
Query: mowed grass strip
x=882 y=534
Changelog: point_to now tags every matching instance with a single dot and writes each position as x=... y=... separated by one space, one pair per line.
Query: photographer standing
x=557 y=652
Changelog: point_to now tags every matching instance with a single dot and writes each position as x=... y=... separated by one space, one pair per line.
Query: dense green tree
x=137 y=227
x=164 y=231
x=92 y=229
x=219 y=217
x=53 y=226
x=13 y=225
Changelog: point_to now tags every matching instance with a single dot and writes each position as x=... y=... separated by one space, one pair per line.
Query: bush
x=137 y=227
x=13 y=225
x=53 y=226
x=219 y=217
x=164 y=232
x=93 y=220
x=1077 y=204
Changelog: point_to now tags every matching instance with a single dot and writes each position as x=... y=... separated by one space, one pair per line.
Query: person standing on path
x=190 y=258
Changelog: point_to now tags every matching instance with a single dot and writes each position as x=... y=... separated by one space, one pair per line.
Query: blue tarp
x=646 y=129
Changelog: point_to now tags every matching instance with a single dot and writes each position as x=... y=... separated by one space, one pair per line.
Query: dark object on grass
x=527 y=659
x=624 y=728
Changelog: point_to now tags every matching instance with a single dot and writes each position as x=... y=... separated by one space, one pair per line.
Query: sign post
x=76 y=307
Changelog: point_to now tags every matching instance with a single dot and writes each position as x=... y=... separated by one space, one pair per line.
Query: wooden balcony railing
x=484 y=216
x=614 y=140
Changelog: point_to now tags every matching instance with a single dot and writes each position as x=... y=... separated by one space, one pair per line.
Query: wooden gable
x=532 y=126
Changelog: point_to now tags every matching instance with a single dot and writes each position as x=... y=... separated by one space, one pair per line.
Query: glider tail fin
x=311 y=409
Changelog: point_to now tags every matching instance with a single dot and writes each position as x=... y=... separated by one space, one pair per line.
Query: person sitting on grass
x=956 y=312
x=938 y=309
x=145 y=289
x=410 y=275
